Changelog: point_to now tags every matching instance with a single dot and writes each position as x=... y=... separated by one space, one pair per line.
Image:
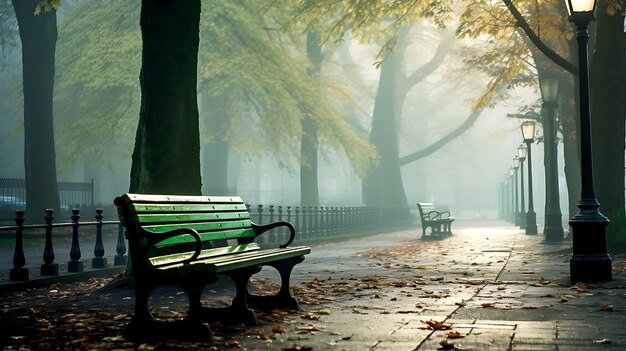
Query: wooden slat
x=199 y=227
x=128 y=198
x=229 y=262
x=186 y=208
x=148 y=219
x=220 y=251
x=209 y=236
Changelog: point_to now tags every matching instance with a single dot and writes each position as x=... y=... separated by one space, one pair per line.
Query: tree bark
x=309 y=187
x=166 y=158
x=38 y=35
x=383 y=182
x=607 y=85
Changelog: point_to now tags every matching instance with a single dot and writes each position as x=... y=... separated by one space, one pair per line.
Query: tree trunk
x=309 y=187
x=39 y=36
x=608 y=108
x=383 y=183
x=166 y=159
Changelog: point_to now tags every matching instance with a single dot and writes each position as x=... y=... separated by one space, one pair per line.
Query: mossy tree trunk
x=166 y=159
x=38 y=34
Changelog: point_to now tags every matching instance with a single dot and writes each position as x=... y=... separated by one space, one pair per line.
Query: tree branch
x=443 y=141
x=532 y=36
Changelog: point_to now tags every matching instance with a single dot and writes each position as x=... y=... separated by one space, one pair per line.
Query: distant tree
x=38 y=33
x=166 y=159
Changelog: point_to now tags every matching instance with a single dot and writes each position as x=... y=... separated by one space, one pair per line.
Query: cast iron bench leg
x=238 y=311
x=282 y=299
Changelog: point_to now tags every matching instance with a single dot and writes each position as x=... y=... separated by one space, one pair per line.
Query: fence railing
x=71 y=195
x=312 y=224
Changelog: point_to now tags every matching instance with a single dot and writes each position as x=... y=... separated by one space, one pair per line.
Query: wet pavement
x=487 y=287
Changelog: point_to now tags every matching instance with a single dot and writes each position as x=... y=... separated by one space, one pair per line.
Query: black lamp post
x=521 y=156
x=553 y=227
x=512 y=214
x=506 y=193
x=528 y=133
x=590 y=260
x=515 y=167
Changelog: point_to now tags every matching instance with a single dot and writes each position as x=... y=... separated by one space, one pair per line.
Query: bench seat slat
x=230 y=262
x=206 y=253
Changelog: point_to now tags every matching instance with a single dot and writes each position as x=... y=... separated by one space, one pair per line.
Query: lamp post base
x=590 y=261
x=590 y=268
x=553 y=230
x=531 y=223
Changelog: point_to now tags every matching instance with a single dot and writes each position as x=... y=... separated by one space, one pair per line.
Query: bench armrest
x=433 y=215
x=444 y=214
x=181 y=231
x=262 y=228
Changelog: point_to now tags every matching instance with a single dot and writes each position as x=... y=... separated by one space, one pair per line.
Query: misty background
x=463 y=175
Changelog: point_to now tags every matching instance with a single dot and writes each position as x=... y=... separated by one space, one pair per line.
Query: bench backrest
x=215 y=218
x=425 y=208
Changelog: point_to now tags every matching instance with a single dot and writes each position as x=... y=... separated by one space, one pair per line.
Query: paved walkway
x=487 y=287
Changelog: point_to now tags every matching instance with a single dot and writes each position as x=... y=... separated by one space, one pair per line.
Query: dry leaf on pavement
x=607 y=307
x=455 y=335
x=436 y=325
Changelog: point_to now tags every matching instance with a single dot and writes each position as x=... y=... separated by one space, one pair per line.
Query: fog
x=463 y=175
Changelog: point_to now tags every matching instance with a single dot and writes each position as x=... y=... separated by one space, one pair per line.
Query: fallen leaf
x=462 y=303
x=421 y=266
x=602 y=341
x=543 y=281
x=309 y=315
x=608 y=307
x=278 y=329
x=436 y=325
x=489 y=305
x=455 y=335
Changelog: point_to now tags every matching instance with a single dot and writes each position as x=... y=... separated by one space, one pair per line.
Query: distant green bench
x=439 y=222
x=174 y=240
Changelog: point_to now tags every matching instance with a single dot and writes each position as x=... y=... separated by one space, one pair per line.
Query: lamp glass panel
x=549 y=89
x=582 y=6
x=521 y=152
x=528 y=130
x=515 y=162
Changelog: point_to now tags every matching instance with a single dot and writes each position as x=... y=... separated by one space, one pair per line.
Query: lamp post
x=515 y=167
x=553 y=227
x=505 y=198
x=590 y=260
x=528 y=133
x=512 y=200
x=521 y=156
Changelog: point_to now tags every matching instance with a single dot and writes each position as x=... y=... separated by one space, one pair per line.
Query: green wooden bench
x=439 y=222
x=180 y=240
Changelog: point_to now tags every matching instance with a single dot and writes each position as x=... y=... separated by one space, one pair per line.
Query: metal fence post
x=99 y=261
x=19 y=272
x=49 y=267
x=75 y=265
